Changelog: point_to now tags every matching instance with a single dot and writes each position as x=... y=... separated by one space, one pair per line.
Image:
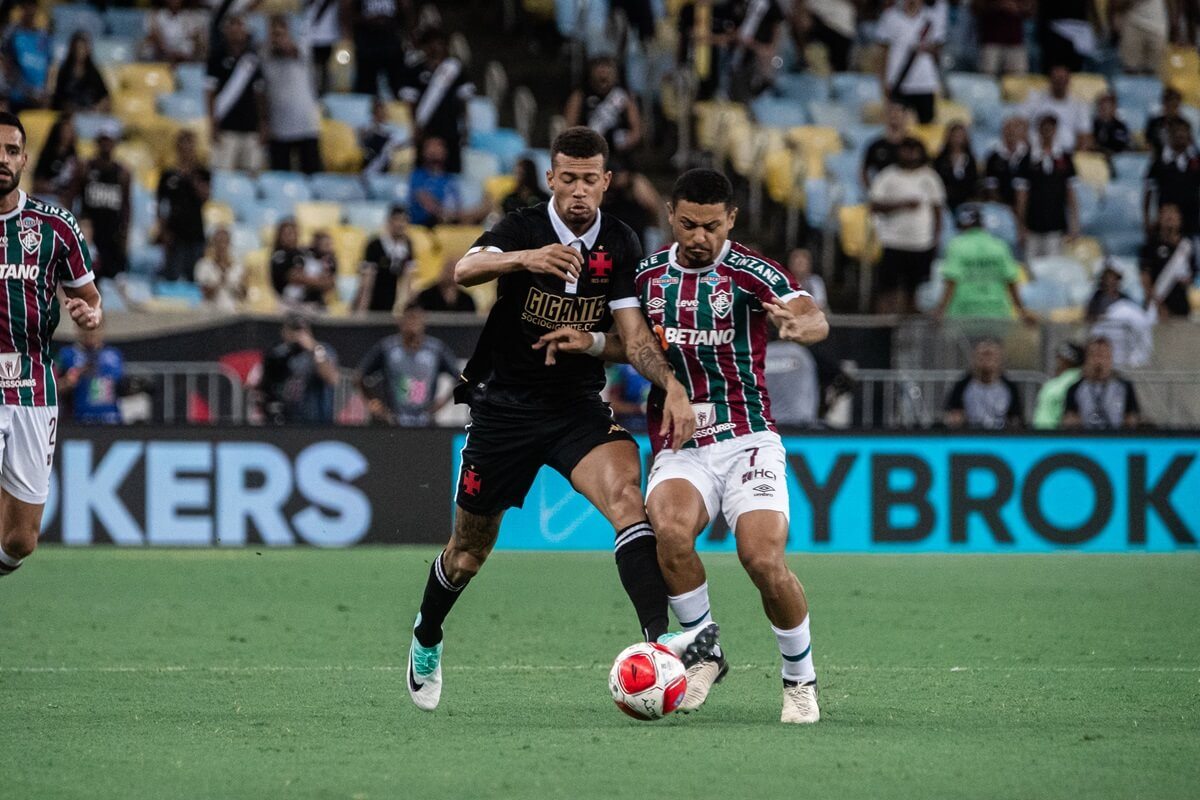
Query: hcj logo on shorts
x=721 y=302
x=31 y=237
x=10 y=372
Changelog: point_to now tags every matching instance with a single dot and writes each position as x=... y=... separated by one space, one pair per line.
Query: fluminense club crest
x=721 y=303
x=31 y=237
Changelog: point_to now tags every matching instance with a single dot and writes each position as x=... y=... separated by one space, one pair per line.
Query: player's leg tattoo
x=473 y=539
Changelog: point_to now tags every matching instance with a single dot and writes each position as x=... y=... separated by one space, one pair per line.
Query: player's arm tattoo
x=643 y=351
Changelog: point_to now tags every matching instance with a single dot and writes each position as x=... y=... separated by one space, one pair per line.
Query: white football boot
x=701 y=653
x=425 y=675
x=800 y=703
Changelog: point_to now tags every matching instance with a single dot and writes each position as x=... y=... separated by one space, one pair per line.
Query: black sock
x=440 y=596
x=637 y=564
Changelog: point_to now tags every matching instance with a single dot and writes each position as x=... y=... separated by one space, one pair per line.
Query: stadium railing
x=190 y=392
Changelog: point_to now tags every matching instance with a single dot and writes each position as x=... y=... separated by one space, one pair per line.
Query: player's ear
x=732 y=215
x=550 y=178
x=607 y=179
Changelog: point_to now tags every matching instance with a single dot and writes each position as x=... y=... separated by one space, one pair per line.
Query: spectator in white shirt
x=1143 y=27
x=1073 y=115
x=220 y=274
x=174 y=34
x=912 y=35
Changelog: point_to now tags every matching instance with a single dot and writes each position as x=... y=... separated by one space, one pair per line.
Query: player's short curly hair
x=12 y=120
x=703 y=186
x=579 y=141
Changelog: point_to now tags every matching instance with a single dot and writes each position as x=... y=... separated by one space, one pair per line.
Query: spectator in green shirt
x=980 y=274
x=1052 y=397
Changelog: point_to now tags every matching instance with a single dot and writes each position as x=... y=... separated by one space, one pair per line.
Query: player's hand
x=379 y=410
x=557 y=260
x=679 y=421
x=802 y=328
x=563 y=340
x=84 y=315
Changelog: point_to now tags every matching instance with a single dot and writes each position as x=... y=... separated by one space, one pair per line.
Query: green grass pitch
x=280 y=674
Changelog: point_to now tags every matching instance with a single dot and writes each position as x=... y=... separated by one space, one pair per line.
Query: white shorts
x=748 y=473
x=27 y=438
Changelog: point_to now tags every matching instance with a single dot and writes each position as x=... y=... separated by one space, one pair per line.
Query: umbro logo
x=762 y=487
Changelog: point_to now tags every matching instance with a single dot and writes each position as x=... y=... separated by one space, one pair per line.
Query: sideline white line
x=150 y=669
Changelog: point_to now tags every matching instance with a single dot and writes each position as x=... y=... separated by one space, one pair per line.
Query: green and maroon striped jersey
x=715 y=328
x=42 y=249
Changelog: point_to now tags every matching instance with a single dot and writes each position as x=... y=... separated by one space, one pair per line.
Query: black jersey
x=103 y=197
x=505 y=368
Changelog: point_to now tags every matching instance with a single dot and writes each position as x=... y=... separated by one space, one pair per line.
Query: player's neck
x=10 y=201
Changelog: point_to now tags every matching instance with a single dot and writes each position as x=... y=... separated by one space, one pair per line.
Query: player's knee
x=765 y=568
x=625 y=500
x=20 y=543
x=462 y=564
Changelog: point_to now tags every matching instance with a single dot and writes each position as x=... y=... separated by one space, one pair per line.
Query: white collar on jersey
x=720 y=257
x=21 y=198
x=566 y=236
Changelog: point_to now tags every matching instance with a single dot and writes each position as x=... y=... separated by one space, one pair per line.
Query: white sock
x=795 y=646
x=7 y=563
x=691 y=608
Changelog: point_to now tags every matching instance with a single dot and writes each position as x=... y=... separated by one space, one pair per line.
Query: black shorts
x=506 y=446
x=921 y=104
x=904 y=269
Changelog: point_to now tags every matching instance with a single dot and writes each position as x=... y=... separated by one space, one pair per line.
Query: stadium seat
x=1000 y=221
x=1086 y=250
x=541 y=160
x=370 y=215
x=479 y=164
x=858 y=136
x=290 y=185
x=338 y=187
x=980 y=93
x=260 y=295
x=1129 y=167
x=244 y=238
x=312 y=215
x=802 y=86
x=856 y=89
x=1180 y=60
x=352 y=109
x=855 y=233
x=71 y=17
x=339 y=147
x=1122 y=242
x=1043 y=296
x=87 y=126
x=1143 y=92
x=454 y=241
x=1092 y=168
x=128 y=22
x=266 y=213
x=818 y=201
x=931 y=135
x=816 y=139
x=37 y=124
x=833 y=114
x=1087 y=86
x=777 y=112
x=1059 y=269
x=150 y=77
x=349 y=244
x=506 y=144
x=1088 y=198
x=470 y=191
x=231 y=187
x=146 y=260
x=184 y=292
x=190 y=79
x=181 y=106
x=427 y=254
x=399 y=114
x=388 y=187
x=1016 y=88
x=843 y=167
x=499 y=187
x=113 y=50
x=949 y=112
x=137 y=157
x=481 y=115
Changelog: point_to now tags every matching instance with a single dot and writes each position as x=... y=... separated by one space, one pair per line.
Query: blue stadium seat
x=1137 y=92
x=818 y=201
x=266 y=212
x=506 y=143
x=182 y=106
x=337 y=187
x=802 y=86
x=859 y=135
x=1089 y=205
x=231 y=187
x=980 y=93
x=113 y=50
x=1044 y=295
x=843 y=167
x=479 y=164
x=1125 y=243
x=470 y=191
x=129 y=22
x=1121 y=208
x=146 y=260
x=481 y=115
x=71 y=17
x=290 y=185
x=112 y=294
x=369 y=215
x=389 y=187
x=778 y=112
x=352 y=109
x=1134 y=118
x=244 y=238
x=999 y=220
x=88 y=125
x=1130 y=167
x=540 y=158
x=1192 y=115
x=856 y=88
x=258 y=26
x=833 y=115
x=849 y=194
x=189 y=79
x=179 y=290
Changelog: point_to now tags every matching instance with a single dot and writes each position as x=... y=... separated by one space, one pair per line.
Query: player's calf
x=18 y=539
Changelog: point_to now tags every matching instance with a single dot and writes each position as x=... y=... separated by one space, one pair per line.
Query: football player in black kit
x=561 y=263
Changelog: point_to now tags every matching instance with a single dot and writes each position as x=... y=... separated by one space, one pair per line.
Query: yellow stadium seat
x=147 y=77
x=399 y=114
x=1180 y=61
x=748 y=150
x=37 y=123
x=711 y=116
x=339 y=147
x=217 y=215
x=949 y=112
x=314 y=215
x=499 y=187
x=819 y=139
x=148 y=178
x=133 y=105
x=931 y=135
x=136 y=155
x=1070 y=315
x=1016 y=88
x=260 y=294
x=1086 y=250
x=427 y=254
x=1188 y=85
x=85 y=149
x=1087 y=86
x=1092 y=169
x=783 y=184
x=541 y=9
x=856 y=234
x=455 y=240
x=1194 y=297
x=159 y=133
x=484 y=295
x=349 y=244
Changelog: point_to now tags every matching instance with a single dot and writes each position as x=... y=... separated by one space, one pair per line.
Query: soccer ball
x=647 y=681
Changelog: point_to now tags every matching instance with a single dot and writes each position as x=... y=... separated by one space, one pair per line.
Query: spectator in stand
x=1003 y=162
x=58 y=163
x=220 y=274
x=907 y=200
x=378 y=29
x=27 y=56
x=755 y=57
x=912 y=35
x=437 y=91
x=1100 y=399
x=182 y=192
x=1064 y=33
x=1108 y=292
x=985 y=397
x=380 y=139
x=627 y=392
x=1109 y=133
x=79 y=85
x=711 y=45
x=1144 y=27
x=1158 y=127
x=399 y=375
x=800 y=264
x=90 y=375
x=446 y=294
x=322 y=250
x=293 y=116
x=1052 y=397
x=956 y=166
x=236 y=106
x=298 y=376
x=103 y=190
x=1046 y=209
x=833 y=23
x=298 y=277
x=632 y=198
x=1074 y=130
x=433 y=194
x=528 y=191
x=1174 y=179
x=174 y=34
x=322 y=30
x=980 y=274
x=385 y=277
x=609 y=109
x=1169 y=264
x=1001 y=27
x=885 y=151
